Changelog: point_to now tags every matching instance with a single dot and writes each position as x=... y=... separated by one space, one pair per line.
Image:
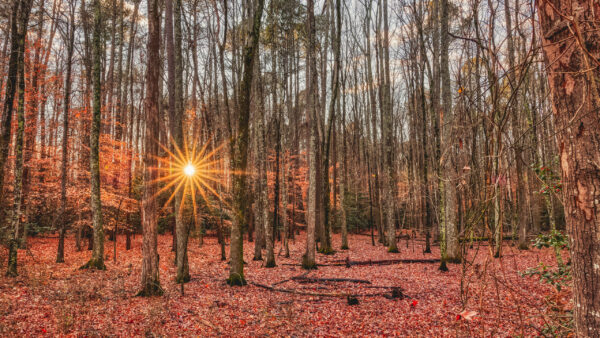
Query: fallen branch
x=303 y=279
x=291 y=278
x=348 y=263
x=335 y=295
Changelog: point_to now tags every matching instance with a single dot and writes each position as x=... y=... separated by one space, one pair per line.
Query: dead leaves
x=65 y=301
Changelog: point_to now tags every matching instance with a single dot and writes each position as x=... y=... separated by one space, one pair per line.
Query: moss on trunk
x=443 y=267
x=11 y=271
x=182 y=278
x=308 y=264
x=326 y=250
x=236 y=279
x=150 y=290
x=97 y=264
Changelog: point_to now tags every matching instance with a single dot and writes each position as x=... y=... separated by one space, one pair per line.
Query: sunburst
x=191 y=171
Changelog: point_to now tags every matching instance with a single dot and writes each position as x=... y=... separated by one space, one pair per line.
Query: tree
x=97 y=260
x=571 y=42
x=20 y=29
x=308 y=260
x=335 y=89
x=69 y=40
x=449 y=247
x=240 y=153
x=388 y=139
x=175 y=81
x=150 y=271
x=521 y=175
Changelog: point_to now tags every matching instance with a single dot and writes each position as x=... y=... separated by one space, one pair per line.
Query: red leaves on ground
x=63 y=300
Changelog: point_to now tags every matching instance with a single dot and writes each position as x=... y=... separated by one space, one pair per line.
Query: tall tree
x=335 y=89
x=521 y=175
x=69 y=40
x=239 y=154
x=308 y=260
x=150 y=271
x=571 y=43
x=183 y=268
x=18 y=30
x=388 y=139
x=97 y=260
x=23 y=9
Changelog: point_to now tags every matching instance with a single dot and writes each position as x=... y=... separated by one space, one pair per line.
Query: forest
x=422 y=168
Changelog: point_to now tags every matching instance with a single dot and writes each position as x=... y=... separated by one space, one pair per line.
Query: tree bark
x=70 y=39
x=388 y=139
x=25 y=8
x=308 y=259
x=19 y=20
x=571 y=44
x=97 y=260
x=150 y=282
x=240 y=154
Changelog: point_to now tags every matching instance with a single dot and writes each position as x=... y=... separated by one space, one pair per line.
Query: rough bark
x=240 y=154
x=571 y=43
x=19 y=20
x=449 y=245
x=308 y=259
x=388 y=139
x=60 y=255
x=150 y=282
x=97 y=260
x=183 y=273
x=15 y=219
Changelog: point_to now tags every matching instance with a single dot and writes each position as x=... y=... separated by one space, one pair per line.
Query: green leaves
x=562 y=275
x=551 y=182
x=554 y=239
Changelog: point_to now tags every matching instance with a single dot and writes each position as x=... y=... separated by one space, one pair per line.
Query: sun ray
x=194 y=202
x=182 y=203
x=194 y=170
x=204 y=196
x=166 y=187
x=178 y=159
x=174 y=193
x=166 y=178
x=214 y=151
x=210 y=189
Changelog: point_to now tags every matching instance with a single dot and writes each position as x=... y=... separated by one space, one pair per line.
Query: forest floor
x=59 y=299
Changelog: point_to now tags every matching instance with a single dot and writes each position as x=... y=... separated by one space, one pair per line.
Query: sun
x=191 y=172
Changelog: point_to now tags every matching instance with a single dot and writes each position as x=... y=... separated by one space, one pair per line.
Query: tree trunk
x=60 y=256
x=344 y=179
x=263 y=194
x=239 y=154
x=308 y=260
x=17 y=192
x=183 y=273
x=520 y=175
x=150 y=282
x=571 y=40
x=97 y=260
x=18 y=30
x=388 y=139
